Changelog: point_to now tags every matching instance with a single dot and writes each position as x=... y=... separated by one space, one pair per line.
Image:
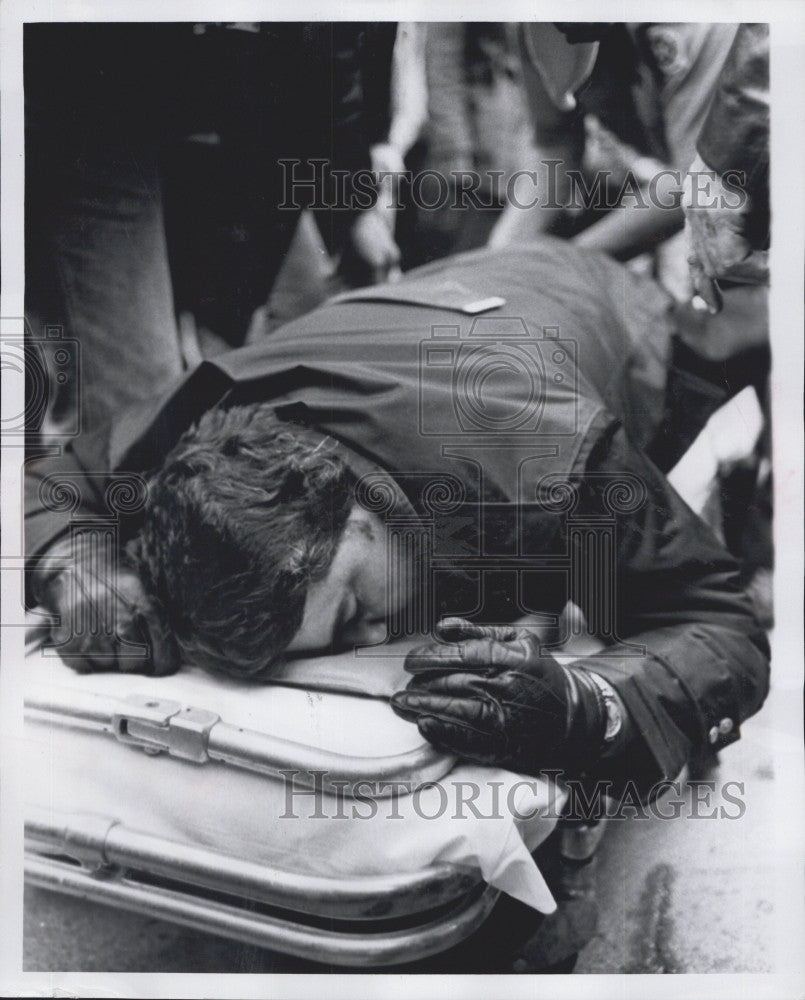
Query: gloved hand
x=489 y=696
x=104 y=624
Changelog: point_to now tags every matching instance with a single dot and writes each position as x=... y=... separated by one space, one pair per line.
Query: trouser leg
x=98 y=260
x=695 y=389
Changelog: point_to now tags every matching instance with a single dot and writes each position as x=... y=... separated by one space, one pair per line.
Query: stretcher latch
x=159 y=725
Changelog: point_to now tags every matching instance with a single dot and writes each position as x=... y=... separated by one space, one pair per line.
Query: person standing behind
x=728 y=239
x=127 y=223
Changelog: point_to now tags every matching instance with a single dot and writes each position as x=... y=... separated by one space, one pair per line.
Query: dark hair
x=243 y=516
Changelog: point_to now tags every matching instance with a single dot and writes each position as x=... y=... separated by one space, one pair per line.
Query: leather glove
x=489 y=696
x=104 y=624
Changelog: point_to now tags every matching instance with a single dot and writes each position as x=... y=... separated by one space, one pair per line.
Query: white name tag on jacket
x=431 y=292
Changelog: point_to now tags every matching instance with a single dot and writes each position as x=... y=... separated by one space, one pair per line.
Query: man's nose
x=369 y=632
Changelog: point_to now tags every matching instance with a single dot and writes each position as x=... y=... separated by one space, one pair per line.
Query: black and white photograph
x=402 y=499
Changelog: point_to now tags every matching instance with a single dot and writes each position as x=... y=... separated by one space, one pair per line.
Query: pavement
x=696 y=893
x=712 y=890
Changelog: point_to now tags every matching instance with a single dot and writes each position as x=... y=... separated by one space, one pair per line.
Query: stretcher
x=246 y=811
x=167 y=797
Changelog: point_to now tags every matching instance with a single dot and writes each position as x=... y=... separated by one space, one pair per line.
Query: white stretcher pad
x=255 y=817
x=317 y=703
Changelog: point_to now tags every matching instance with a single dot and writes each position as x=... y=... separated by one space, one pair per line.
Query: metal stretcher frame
x=371 y=921
x=101 y=860
x=160 y=725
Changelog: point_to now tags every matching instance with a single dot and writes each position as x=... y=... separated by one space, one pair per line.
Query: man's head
x=247 y=515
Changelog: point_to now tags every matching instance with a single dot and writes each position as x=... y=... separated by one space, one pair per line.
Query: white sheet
x=239 y=813
x=247 y=815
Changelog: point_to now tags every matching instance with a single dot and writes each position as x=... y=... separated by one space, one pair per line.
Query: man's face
x=350 y=606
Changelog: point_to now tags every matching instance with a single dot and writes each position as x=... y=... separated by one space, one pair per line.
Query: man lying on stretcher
x=393 y=459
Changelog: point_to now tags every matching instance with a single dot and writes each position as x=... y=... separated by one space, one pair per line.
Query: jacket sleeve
x=101 y=476
x=61 y=491
x=698 y=663
x=735 y=134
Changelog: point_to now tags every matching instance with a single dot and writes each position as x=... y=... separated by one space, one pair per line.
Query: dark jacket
x=280 y=107
x=514 y=436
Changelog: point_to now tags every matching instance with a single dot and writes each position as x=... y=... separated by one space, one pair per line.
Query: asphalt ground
x=703 y=892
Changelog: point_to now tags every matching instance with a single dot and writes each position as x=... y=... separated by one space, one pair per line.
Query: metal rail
x=160 y=725
x=104 y=844
x=329 y=947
